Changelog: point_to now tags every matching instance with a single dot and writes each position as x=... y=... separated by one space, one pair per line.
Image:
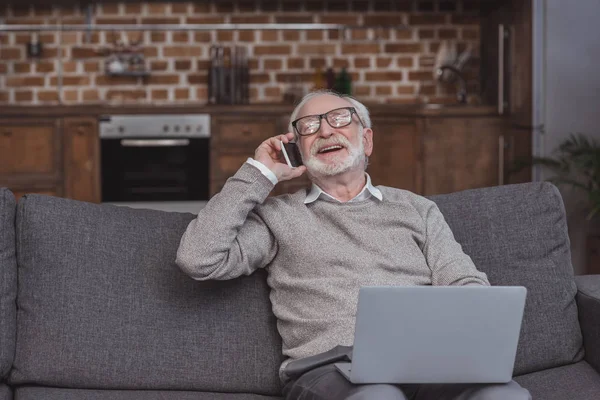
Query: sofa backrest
x=102 y=304
x=517 y=235
x=8 y=282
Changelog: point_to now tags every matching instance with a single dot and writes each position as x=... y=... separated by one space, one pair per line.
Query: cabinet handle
x=501 y=160
x=501 y=69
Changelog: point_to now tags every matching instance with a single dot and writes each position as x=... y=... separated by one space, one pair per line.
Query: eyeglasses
x=337 y=118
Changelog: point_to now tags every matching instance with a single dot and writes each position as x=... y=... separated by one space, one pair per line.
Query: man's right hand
x=269 y=154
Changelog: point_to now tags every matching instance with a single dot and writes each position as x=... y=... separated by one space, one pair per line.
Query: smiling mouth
x=330 y=149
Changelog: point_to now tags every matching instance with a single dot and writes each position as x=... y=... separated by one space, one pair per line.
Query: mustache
x=331 y=141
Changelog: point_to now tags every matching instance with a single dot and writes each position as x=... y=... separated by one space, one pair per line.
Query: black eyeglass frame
x=324 y=116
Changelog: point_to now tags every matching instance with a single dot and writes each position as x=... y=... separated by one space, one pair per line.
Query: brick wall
x=387 y=65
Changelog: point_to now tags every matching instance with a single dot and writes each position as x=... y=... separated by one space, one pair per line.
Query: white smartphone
x=291 y=154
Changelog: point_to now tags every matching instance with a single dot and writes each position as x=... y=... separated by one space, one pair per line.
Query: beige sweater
x=318 y=255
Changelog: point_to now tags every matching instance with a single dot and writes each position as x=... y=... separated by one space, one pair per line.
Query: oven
x=155 y=161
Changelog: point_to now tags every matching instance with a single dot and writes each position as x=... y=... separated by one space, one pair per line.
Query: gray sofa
x=92 y=305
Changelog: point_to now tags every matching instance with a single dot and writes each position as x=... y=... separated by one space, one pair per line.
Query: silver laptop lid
x=437 y=334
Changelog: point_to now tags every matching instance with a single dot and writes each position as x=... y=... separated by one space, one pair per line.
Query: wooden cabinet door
x=29 y=149
x=82 y=159
x=463 y=153
x=396 y=158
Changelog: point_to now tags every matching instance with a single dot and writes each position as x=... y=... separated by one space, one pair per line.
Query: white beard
x=339 y=164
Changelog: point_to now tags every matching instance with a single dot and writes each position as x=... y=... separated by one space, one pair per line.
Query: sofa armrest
x=588 y=304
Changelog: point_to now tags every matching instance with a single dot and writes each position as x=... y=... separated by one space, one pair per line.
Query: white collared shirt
x=316 y=192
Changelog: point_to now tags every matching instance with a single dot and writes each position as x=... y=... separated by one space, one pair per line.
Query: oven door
x=151 y=169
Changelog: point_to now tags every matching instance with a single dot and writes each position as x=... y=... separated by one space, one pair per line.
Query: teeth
x=329 y=148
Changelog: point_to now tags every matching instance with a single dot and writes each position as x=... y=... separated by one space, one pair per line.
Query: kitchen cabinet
x=462 y=153
x=52 y=156
x=31 y=152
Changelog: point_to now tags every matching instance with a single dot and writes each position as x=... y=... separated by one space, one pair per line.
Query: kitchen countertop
x=395 y=110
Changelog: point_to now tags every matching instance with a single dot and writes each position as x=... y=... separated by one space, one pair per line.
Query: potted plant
x=576 y=163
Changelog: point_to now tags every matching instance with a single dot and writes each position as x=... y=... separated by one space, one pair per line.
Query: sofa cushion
x=102 y=304
x=5 y=392
x=573 y=382
x=8 y=282
x=517 y=235
x=46 y=393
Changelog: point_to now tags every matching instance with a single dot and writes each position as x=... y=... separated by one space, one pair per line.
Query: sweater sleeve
x=448 y=263
x=228 y=239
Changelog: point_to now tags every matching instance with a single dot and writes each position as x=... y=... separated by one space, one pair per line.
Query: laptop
x=435 y=334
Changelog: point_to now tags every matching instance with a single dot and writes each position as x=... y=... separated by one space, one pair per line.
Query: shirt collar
x=367 y=191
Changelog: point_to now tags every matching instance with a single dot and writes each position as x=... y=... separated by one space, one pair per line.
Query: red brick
x=182 y=94
x=163 y=80
x=205 y=20
x=269 y=36
x=318 y=63
x=342 y=19
x=22 y=68
x=314 y=35
x=91 y=66
x=465 y=19
x=116 y=21
x=340 y=63
x=202 y=37
x=426 y=61
x=426 y=33
x=85 y=52
x=447 y=34
x=201 y=8
x=48 y=96
x=315 y=5
x=404 y=62
x=126 y=95
x=3 y=69
x=427 y=89
x=71 y=81
x=362 y=62
x=104 y=80
x=158 y=37
x=420 y=75
x=160 y=20
x=427 y=19
x=197 y=78
x=272 y=64
x=73 y=21
x=109 y=9
x=393 y=76
x=403 y=48
x=4 y=96
x=247 y=5
x=224 y=6
x=135 y=9
x=391 y=19
x=225 y=36
x=383 y=62
x=70 y=38
x=24 y=81
x=183 y=65
x=71 y=96
x=295 y=63
x=470 y=33
x=157 y=8
x=259 y=78
x=202 y=93
x=90 y=95
x=273 y=91
x=249 y=19
x=180 y=8
x=316 y=49
x=182 y=51
x=180 y=37
x=159 y=94
x=11 y=53
x=23 y=95
x=361 y=90
x=272 y=50
x=405 y=90
x=360 y=48
x=293 y=19
x=245 y=36
x=291 y=36
x=383 y=90
x=284 y=77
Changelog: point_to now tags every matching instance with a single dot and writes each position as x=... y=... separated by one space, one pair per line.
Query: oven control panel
x=155 y=126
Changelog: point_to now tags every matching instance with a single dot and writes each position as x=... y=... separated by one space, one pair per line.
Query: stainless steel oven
x=155 y=159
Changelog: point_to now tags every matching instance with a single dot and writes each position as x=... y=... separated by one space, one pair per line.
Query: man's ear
x=368 y=141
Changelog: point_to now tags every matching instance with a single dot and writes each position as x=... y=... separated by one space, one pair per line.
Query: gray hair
x=361 y=109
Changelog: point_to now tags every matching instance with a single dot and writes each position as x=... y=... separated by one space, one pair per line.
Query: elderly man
x=321 y=245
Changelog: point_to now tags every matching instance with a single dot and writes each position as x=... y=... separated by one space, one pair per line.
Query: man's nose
x=326 y=129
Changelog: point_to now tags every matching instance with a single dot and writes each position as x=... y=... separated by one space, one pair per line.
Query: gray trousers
x=326 y=383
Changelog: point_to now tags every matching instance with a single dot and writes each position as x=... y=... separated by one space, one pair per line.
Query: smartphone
x=291 y=153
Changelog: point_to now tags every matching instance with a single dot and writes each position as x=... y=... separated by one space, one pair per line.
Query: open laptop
x=435 y=334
